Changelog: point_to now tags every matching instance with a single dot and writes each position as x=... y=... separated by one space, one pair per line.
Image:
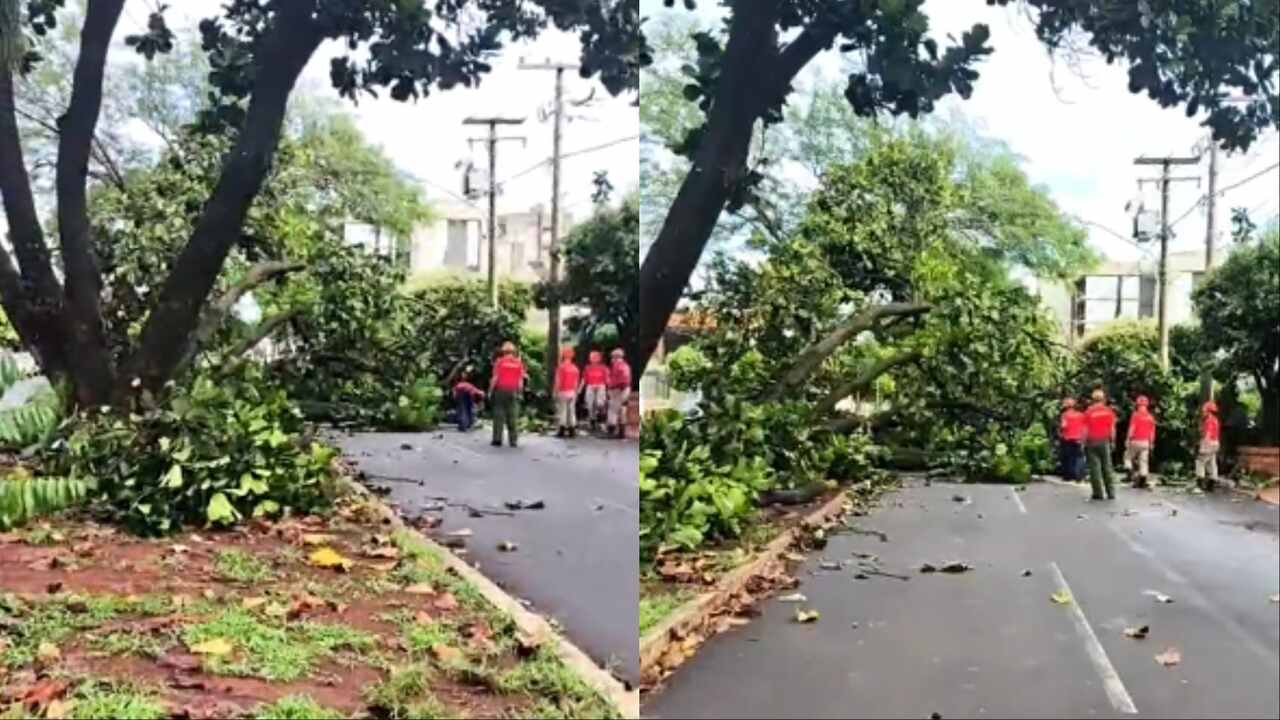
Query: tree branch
x=864 y=380
x=813 y=356
x=257 y=275
x=235 y=356
x=815 y=38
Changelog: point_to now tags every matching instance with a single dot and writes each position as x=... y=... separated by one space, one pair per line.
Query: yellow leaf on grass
x=328 y=558
x=216 y=647
x=1061 y=598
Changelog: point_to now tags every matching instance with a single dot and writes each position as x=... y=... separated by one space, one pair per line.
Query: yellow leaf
x=316 y=539
x=446 y=654
x=420 y=589
x=806 y=616
x=328 y=558
x=216 y=647
x=1061 y=598
x=48 y=652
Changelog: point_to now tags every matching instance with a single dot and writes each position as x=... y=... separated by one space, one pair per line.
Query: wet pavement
x=991 y=642
x=575 y=560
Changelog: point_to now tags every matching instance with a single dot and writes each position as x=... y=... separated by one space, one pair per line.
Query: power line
x=1218 y=193
x=583 y=151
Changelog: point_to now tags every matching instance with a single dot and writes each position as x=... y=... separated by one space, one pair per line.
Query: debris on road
x=806 y=616
x=406 y=446
x=1061 y=598
x=954 y=567
x=525 y=505
x=1169 y=657
x=508 y=546
x=793 y=598
x=830 y=565
x=1082 y=516
x=854 y=626
x=1138 y=633
x=1159 y=596
x=1026 y=573
x=463 y=533
x=959 y=499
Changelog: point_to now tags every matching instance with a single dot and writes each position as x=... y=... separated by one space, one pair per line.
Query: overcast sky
x=427 y=138
x=1081 y=142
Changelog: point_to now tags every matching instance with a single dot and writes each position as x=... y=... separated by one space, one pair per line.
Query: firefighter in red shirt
x=1207 y=454
x=1100 y=435
x=1071 y=441
x=619 y=393
x=568 y=385
x=505 y=388
x=595 y=378
x=1138 y=443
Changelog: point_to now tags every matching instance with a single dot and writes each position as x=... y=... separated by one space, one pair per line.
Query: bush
x=419 y=407
x=214 y=452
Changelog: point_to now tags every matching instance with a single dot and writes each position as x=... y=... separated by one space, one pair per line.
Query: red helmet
x=1143 y=401
x=1211 y=407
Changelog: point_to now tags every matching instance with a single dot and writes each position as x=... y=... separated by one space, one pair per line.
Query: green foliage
x=271 y=651
x=419 y=408
x=1122 y=358
x=215 y=452
x=109 y=701
x=1238 y=307
x=23 y=497
x=31 y=423
x=9 y=339
x=601 y=271
x=296 y=707
x=688 y=368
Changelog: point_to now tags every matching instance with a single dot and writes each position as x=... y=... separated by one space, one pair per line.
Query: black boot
x=560 y=431
x=608 y=430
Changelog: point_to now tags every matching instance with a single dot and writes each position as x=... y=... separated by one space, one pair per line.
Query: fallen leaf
x=422 y=617
x=47 y=652
x=959 y=498
x=384 y=566
x=1061 y=598
x=44 y=692
x=326 y=557
x=956 y=567
x=1026 y=573
x=806 y=616
x=463 y=533
x=508 y=546
x=303 y=604
x=253 y=603
x=216 y=647
x=180 y=601
x=58 y=710
x=793 y=598
x=1137 y=633
x=1169 y=657
x=420 y=589
x=1159 y=596
x=179 y=549
x=54 y=587
x=828 y=565
x=446 y=602
x=209 y=594
x=446 y=654
x=310 y=539
x=928 y=568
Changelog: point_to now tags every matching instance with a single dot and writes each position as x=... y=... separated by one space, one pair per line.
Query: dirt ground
x=306 y=617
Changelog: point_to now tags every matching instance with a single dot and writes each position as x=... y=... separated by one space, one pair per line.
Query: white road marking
x=1021 y=508
x=1116 y=692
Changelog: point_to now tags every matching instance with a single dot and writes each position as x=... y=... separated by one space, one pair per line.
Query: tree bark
x=813 y=356
x=88 y=356
x=718 y=166
x=32 y=295
x=285 y=50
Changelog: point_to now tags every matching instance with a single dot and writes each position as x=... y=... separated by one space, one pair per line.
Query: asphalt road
x=576 y=559
x=990 y=643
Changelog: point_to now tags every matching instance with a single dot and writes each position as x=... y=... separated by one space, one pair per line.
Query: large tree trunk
x=718 y=166
x=170 y=328
x=754 y=73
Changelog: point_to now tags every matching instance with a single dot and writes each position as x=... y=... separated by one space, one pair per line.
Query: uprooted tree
x=1180 y=53
x=257 y=50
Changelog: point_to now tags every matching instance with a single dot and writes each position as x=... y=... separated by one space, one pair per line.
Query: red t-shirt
x=1210 y=428
x=567 y=377
x=596 y=374
x=1100 y=421
x=619 y=374
x=508 y=371
x=466 y=388
x=1142 y=426
x=1072 y=425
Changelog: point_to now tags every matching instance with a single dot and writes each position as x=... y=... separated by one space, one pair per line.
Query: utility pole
x=1211 y=206
x=491 y=142
x=1163 y=279
x=553 y=260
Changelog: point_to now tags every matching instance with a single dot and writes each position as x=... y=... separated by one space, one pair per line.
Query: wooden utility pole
x=491 y=142
x=1163 y=279
x=553 y=259
x=1211 y=207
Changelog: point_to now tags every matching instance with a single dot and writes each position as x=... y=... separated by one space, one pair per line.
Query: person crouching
x=466 y=396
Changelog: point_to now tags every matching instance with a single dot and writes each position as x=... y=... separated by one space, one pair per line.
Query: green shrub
x=23 y=497
x=418 y=408
x=214 y=452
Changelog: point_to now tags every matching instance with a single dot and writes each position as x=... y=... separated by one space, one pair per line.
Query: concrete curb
x=627 y=702
x=695 y=613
